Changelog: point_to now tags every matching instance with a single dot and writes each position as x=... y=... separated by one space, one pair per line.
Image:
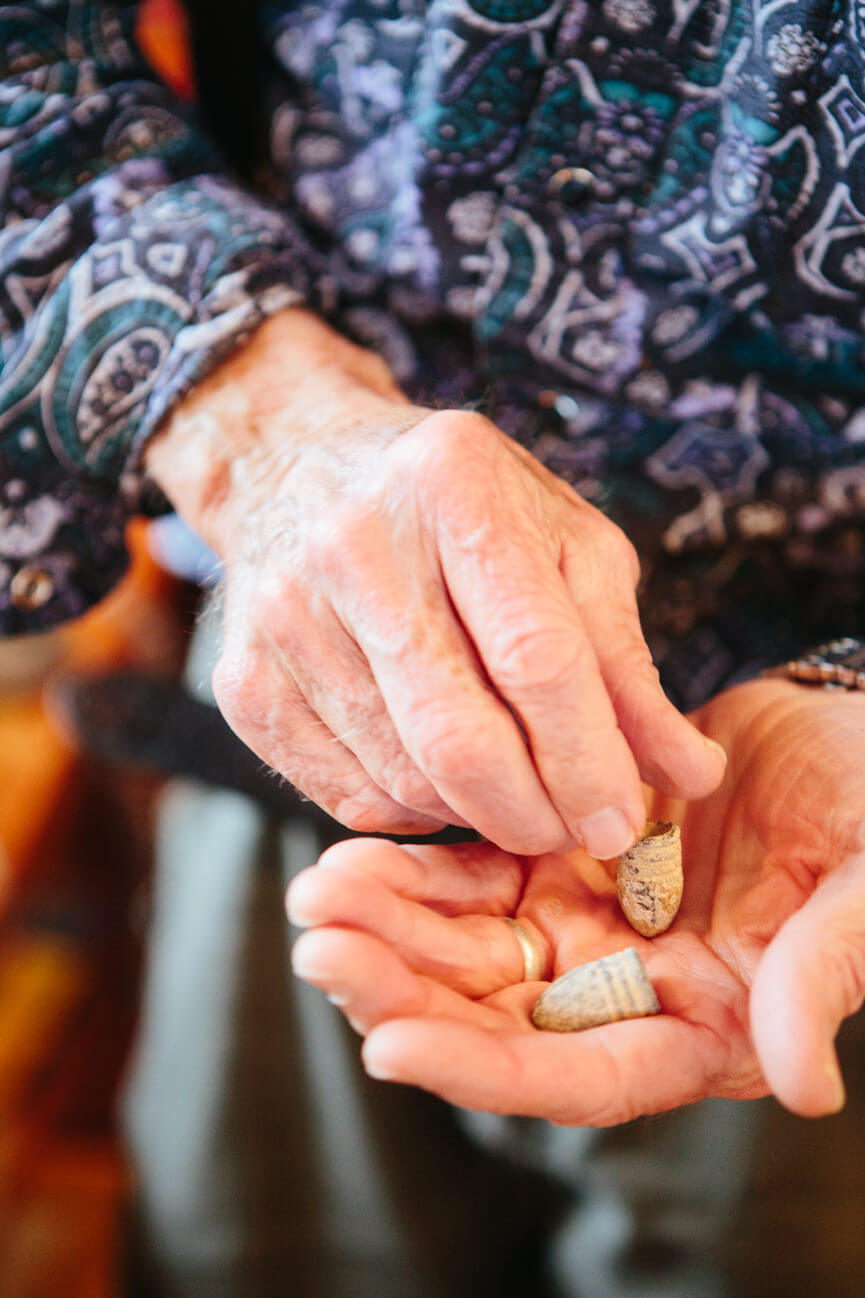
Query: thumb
x=671 y=753
x=810 y=978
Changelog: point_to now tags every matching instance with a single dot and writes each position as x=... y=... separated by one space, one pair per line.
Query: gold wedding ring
x=534 y=961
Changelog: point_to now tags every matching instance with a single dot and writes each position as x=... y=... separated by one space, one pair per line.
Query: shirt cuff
x=170 y=288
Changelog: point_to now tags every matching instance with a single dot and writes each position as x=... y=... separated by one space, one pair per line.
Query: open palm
x=765 y=959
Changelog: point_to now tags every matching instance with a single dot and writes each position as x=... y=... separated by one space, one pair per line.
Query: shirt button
x=565 y=406
x=30 y=588
x=570 y=184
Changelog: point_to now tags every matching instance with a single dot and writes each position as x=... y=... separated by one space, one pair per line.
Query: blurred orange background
x=73 y=870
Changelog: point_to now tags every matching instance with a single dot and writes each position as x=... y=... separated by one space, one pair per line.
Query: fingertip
x=393 y=1050
x=378 y=1053
x=718 y=750
x=836 y=1092
x=354 y=852
x=334 y=854
x=692 y=767
x=376 y=1070
x=713 y=770
x=321 y=955
x=306 y=960
x=818 y=1092
x=298 y=898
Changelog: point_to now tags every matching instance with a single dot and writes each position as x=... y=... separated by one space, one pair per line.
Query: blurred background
x=80 y=776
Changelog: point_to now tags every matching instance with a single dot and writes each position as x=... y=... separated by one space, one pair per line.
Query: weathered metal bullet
x=603 y=991
x=649 y=879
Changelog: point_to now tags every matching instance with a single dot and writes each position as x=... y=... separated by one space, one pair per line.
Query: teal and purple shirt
x=632 y=231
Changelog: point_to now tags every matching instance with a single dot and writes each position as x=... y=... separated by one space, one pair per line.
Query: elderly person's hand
x=765 y=959
x=422 y=625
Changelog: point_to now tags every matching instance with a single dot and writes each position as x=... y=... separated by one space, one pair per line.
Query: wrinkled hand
x=765 y=959
x=422 y=625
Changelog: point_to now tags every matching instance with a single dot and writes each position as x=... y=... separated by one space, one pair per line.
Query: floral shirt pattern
x=632 y=231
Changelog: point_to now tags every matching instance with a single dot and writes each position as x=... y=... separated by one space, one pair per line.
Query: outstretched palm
x=765 y=958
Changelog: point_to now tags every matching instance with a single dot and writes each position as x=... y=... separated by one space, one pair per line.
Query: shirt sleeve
x=130 y=264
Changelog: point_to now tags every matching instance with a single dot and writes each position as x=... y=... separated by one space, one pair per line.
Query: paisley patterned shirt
x=632 y=231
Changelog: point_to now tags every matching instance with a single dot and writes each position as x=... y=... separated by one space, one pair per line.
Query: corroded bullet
x=604 y=991
x=649 y=879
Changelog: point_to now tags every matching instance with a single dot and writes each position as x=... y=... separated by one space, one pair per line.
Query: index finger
x=530 y=637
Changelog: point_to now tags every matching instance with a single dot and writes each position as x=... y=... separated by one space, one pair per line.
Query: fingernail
x=833 y=1072
x=607 y=833
x=715 y=747
x=380 y=1074
x=297 y=917
x=373 y=1066
x=303 y=967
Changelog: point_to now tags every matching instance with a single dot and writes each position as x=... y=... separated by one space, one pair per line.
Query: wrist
x=295 y=389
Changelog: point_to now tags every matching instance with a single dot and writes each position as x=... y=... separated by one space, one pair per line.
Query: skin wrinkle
x=359 y=494
x=533 y=660
x=729 y=962
x=603 y=1116
x=800 y=825
x=474 y=865
x=793 y=999
x=369 y=905
x=358 y=808
x=477 y=662
x=734 y=947
x=514 y=658
x=421 y=996
x=740 y=968
x=509 y=1061
x=849 y=982
x=397 y=769
x=729 y=1084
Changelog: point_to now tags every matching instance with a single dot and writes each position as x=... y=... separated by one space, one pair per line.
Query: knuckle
x=619 y=552
x=233 y=685
x=536 y=658
x=401 y=783
x=377 y=372
x=628 y=656
x=276 y=593
x=341 y=538
x=411 y=788
x=444 y=440
x=366 y=811
x=448 y=745
x=243 y=691
x=455 y=427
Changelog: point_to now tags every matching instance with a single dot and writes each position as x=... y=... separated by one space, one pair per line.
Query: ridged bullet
x=649 y=879
x=603 y=991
